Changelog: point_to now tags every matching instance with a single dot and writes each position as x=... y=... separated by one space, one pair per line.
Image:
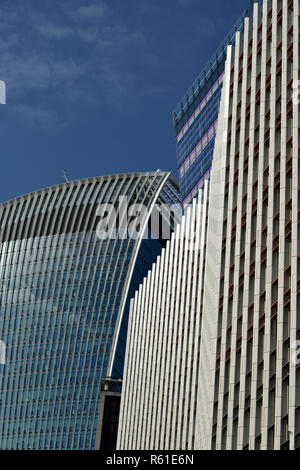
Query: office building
x=159 y=400
x=249 y=382
x=109 y=410
x=247 y=345
x=64 y=300
x=195 y=121
x=160 y=386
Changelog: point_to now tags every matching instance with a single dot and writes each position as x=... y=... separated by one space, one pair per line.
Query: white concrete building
x=249 y=382
x=214 y=332
x=159 y=397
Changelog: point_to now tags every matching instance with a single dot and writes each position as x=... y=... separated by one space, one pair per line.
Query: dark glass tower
x=64 y=306
x=195 y=121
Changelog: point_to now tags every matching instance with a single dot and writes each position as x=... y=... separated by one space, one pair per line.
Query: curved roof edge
x=93 y=178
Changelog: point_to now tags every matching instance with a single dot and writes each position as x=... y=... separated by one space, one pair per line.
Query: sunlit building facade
x=195 y=121
x=160 y=385
x=249 y=382
x=234 y=359
x=64 y=301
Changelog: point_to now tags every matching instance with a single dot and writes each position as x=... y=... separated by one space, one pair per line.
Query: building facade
x=195 y=121
x=160 y=386
x=109 y=413
x=249 y=395
x=233 y=359
x=64 y=300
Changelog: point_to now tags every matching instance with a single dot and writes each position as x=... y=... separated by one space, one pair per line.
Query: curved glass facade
x=64 y=306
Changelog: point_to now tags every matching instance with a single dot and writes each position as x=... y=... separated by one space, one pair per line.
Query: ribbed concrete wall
x=159 y=397
x=249 y=385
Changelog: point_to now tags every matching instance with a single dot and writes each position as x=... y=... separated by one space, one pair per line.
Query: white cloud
x=50 y=27
x=96 y=10
x=54 y=31
x=66 y=72
x=109 y=54
x=37 y=72
x=36 y=117
x=88 y=34
x=24 y=72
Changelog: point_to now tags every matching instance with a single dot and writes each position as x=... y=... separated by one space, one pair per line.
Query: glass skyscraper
x=64 y=300
x=195 y=121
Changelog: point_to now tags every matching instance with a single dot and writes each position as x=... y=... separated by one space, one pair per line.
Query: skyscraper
x=64 y=299
x=195 y=121
x=249 y=395
x=248 y=380
x=160 y=387
x=159 y=404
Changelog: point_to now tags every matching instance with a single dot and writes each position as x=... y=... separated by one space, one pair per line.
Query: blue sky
x=91 y=85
